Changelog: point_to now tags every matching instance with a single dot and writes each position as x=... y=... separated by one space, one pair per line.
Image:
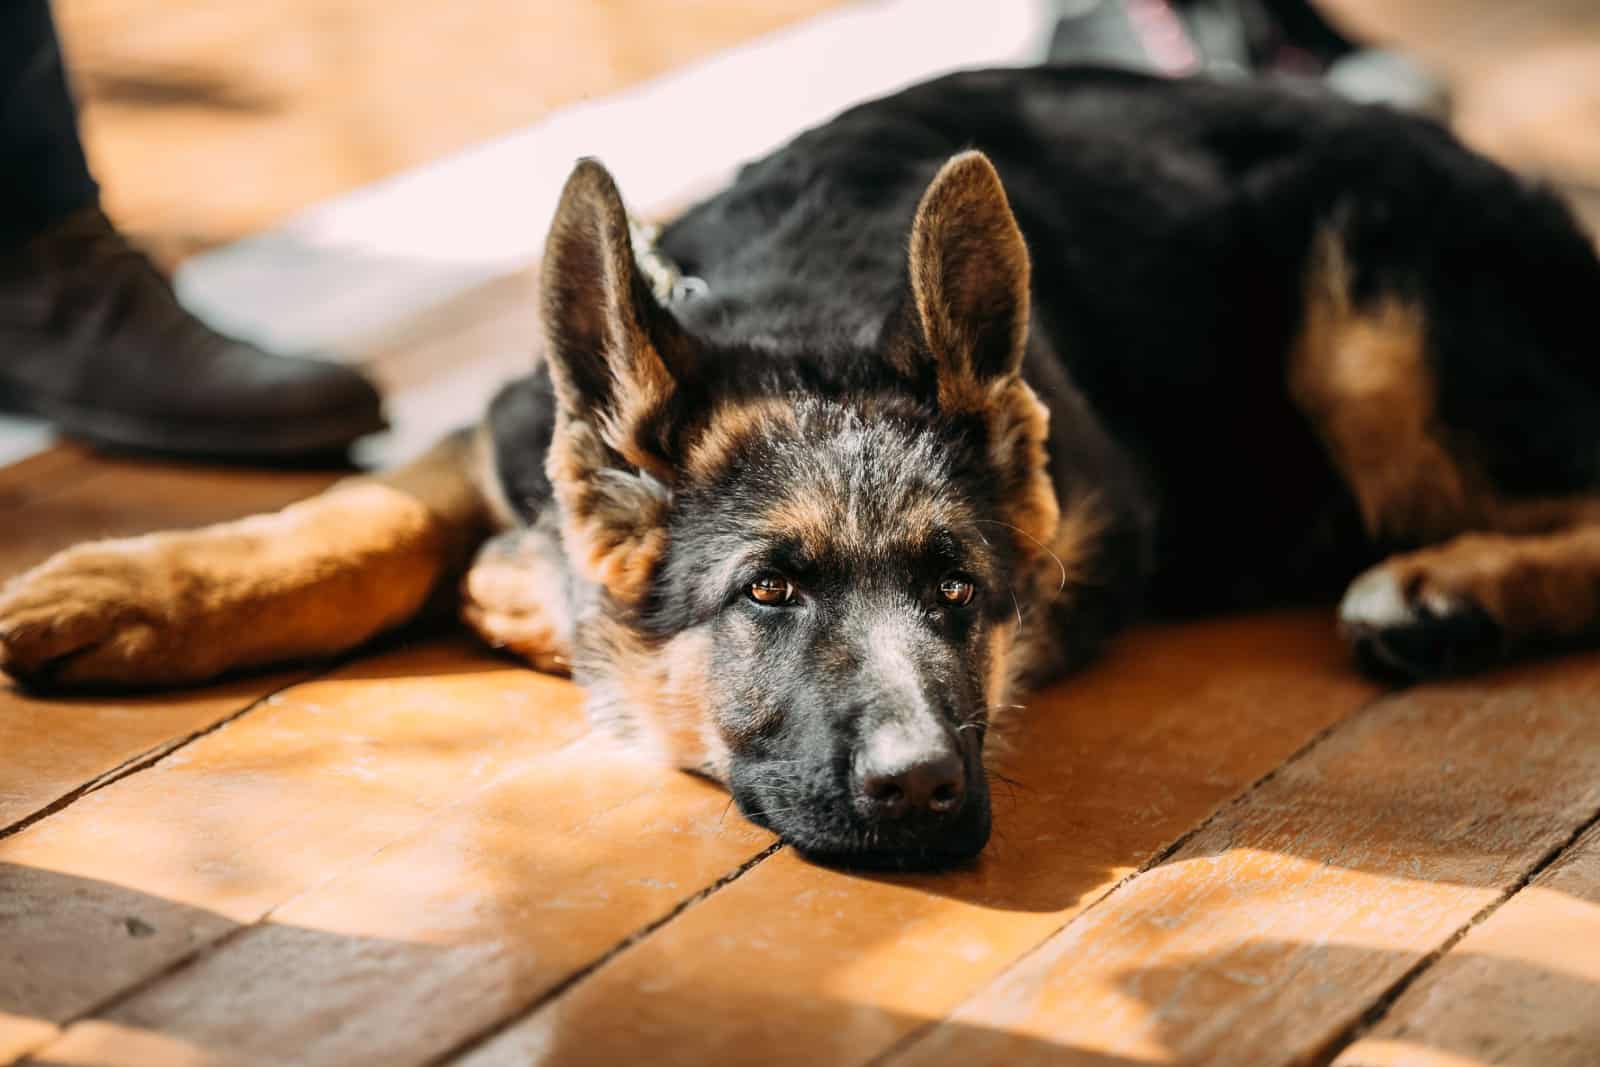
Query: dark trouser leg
x=43 y=173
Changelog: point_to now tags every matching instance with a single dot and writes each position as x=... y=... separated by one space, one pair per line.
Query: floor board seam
x=149 y=758
x=161 y=974
x=200 y=952
x=475 y=1041
x=1379 y=1009
x=438 y=815
x=1156 y=859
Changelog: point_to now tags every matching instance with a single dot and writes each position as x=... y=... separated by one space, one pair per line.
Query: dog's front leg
x=317 y=578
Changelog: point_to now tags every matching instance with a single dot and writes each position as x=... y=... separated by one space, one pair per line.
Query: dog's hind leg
x=317 y=578
x=1475 y=601
x=1482 y=456
x=518 y=595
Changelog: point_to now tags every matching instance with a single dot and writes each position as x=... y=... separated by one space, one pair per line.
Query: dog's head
x=813 y=594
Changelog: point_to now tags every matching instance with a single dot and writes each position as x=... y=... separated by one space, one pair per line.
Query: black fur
x=1169 y=225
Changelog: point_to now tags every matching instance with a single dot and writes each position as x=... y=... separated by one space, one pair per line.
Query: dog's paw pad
x=1400 y=625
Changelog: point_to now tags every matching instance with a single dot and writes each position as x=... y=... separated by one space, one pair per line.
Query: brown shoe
x=92 y=337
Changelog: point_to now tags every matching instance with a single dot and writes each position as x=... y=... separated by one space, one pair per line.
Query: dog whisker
x=1042 y=547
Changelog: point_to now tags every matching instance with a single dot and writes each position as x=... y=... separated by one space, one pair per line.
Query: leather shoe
x=93 y=338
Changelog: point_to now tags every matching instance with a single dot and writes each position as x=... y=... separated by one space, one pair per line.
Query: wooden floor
x=1218 y=846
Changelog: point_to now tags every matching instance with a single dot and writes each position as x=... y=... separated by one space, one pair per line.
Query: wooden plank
x=55 y=748
x=446 y=933
x=138 y=875
x=794 y=964
x=71 y=493
x=1265 y=938
x=1522 y=988
x=439 y=370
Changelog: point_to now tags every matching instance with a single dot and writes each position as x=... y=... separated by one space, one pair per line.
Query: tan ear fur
x=970 y=278
x=969 y=281
x=615 y=355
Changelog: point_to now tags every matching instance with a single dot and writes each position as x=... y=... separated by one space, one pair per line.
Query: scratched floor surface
x=1218 y=846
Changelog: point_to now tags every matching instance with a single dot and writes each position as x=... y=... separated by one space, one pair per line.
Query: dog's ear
x=615 y=353
x=969 y=281
x=968 y=318
x=616 y=359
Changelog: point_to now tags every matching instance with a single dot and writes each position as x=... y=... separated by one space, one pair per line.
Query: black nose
x=896 y=781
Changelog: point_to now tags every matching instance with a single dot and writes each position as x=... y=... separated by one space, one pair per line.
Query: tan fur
x=1000 y=680
x=1535 y=587
x=1019 y=430
x=318 y=577
x=1076 y=544
x=1545 y=515
x=969 y=269
x=811 y=519
x=970 y=272
x=732 y=425
x=1361 y=375
x=515 y=597
x=825 y=521
x=610 y=347
x=658 y=699
x=1035 y=650
x=1363 y=378
x=614 y=521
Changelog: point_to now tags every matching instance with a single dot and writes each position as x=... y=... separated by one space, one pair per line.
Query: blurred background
x=208 y=120
x=376 y=175
x=212 y=119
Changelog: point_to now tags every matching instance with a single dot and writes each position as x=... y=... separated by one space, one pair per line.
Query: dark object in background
x=1285 y=38
x=93 y=338
x=91 y=335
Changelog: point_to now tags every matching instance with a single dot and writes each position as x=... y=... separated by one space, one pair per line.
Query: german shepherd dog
x=976 y=371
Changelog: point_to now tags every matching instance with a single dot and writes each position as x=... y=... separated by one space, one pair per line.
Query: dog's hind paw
x=515 y=597
x=1403 y=622
x=92 y=615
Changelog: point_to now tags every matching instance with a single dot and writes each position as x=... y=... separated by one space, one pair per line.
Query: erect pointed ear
x=616 y=359
x=615 y=353
x=969 y=296
x=969 y=280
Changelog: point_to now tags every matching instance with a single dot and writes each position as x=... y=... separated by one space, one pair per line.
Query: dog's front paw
x=1404 y=620
x=92 y=615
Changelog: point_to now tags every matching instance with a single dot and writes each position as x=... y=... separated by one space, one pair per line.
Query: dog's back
x=1172 y=226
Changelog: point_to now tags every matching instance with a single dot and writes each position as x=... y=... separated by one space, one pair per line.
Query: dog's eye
x=773 y=590
x=956 y=590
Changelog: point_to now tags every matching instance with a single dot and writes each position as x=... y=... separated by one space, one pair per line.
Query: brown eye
x=772 y=590
x=957 y=590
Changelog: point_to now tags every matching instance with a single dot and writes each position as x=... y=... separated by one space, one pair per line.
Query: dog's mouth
x=825 y=828
x=953 y=847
